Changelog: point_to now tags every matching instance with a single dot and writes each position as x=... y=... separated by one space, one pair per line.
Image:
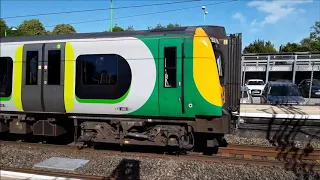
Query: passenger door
x=53 y=77
x=170 y=76
x=31 y=89
x=43 y=77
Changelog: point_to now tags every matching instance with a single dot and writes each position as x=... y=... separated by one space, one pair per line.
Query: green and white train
x=153 y=87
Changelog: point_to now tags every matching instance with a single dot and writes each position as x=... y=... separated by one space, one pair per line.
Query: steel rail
x=309 y=150
x=293 y=165
x=271 y=151
x=274 y=151
x=246 y=150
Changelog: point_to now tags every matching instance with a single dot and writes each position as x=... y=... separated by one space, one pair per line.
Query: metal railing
x=296 y=68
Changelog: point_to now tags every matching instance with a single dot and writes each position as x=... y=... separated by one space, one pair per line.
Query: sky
x=279 y=21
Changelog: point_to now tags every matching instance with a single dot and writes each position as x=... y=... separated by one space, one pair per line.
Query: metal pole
x=243 y=77
x=242 y=68
x=5 y=33
x=294 y=69
x=311 y=82
x=111 y=16
x=267 y=70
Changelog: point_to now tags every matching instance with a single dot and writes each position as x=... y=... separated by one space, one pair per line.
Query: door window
x=32 y=68
x=170 y=67
x=54 y=67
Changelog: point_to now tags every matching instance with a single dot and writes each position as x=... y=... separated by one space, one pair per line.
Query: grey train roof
x=216 y=31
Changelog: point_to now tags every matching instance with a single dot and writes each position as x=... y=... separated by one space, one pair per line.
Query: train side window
x=54 y=67
x=99 y=69
x=32 y=68
x=170 y=67
x=6 y=67
x=102 y=76
x=3 y=70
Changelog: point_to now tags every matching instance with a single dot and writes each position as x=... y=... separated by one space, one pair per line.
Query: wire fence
x=281 y=79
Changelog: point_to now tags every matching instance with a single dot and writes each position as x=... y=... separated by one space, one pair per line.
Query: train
x=159 y=87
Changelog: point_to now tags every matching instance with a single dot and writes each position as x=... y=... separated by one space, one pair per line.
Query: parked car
x=279 y=92
x=304 y=87
x=246 y=97
x=255 y=86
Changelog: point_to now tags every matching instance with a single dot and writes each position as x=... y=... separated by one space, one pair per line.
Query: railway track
x=272 y=152
x=286 y=158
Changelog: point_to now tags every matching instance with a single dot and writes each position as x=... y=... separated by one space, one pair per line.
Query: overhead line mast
x=111 y=16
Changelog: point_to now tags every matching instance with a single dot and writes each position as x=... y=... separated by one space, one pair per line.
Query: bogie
x=133 y=132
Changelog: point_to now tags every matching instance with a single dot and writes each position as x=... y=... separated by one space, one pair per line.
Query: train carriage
x=140 y=87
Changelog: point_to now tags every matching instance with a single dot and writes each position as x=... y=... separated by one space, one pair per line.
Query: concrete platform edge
x=18 y=175
x=280 y=116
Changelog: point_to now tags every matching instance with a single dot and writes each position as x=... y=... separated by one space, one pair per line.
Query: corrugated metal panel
x=232 y=79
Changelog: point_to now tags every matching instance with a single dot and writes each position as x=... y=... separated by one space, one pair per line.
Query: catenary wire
x=145 y=14
x=101 y=9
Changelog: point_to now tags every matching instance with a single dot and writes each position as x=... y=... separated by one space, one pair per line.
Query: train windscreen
x=218 y=55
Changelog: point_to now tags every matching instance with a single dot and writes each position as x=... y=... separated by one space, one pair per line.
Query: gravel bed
x=147 y=168
x=236 y=139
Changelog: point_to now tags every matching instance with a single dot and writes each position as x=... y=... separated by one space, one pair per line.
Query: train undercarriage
x=181 y=134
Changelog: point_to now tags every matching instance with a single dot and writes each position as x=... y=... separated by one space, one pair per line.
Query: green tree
x=315 y=37
x=63 y=29
x=170 y=25
x=117 y=28
x=129 y=28
x=32 y=27
x=9 y=30
x=315 y=34
x=311 y=43
x=160 y=26
x=260 y=46
x=13 y=33
x=306 y=44
x=3 y=27
x=291 y=47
